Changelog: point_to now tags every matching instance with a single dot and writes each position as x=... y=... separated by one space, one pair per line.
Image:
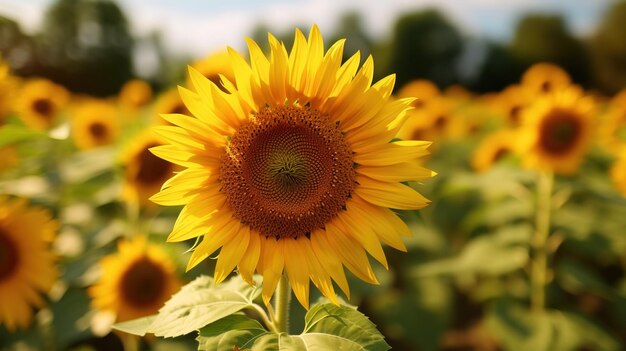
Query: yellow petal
x=297 y=269
x=400 y=172
x=390 y=153
x=211 y=242
x=273 y=261
x=353 y=256
x=329 y=260
x=231 y=253
x=364 y=235
x=248 y=262
x=390 y=195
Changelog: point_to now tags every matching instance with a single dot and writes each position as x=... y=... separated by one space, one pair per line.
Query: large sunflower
x=135 y=281
x=26 y=263
x=40 y=102
x=294 y=168
x=144 y=173
x=94 y=124
x=557 y=130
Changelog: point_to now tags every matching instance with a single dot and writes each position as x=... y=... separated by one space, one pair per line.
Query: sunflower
x=40 y=102
x=215 y=65
x=511 y=102
x=423 y=90
x=94 y=124
x=144 y=173
x=618 y=173
x=294 y=168
x=26 y=263
x=8 y=85
x=542 y=78
x=613 y=129
x=135 y=281
x=135 y=94
x=557 y=130
x=169 y=102
x=435 y=120
x=619 y=99
x=9 y=157
x=492 y=149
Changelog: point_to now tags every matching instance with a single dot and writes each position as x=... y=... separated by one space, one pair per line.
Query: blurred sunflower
x=144 y=172
x=40 y=102
x=26 y=263
x=424 y=91
x=292 y=169
x=135 y=94
x=542 y=78
x=94 y=124
x=135 y=281
x=169 y=102
x=9 y=157
x=213 y=65
x=557 y=130
x=8 y=86
x=511 y=102
x=618 y=173
x=612 y=131
x=492 y=149
x=434 y=121
x=619 y=99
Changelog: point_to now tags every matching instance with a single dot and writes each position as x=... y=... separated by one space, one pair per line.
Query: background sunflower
x=27 y=265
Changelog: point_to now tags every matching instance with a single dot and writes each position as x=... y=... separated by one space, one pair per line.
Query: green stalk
x=281 y=301
x=539 y=263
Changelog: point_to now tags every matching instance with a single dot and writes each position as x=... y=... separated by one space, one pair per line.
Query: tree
x=608 y=49
x=86 y=46
x=545 y=38
x=425 y=45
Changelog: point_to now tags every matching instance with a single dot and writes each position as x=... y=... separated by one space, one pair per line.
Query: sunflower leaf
x=234 y=330
x=11 y=134
x=200 y=303
x=332 y=327
x=138 y=326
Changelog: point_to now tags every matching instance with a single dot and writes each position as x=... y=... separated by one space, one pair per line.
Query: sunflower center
x=152 y=169
x=43 y=107
x=9 y=256
x=500 y=154
x=98 y=131
x=514 y=114
x=559 y=132
x=288 y=171
x=546 y=86
x=143 y=283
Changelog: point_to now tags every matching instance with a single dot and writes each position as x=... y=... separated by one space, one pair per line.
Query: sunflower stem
x=539 y=263
x=264 y=317
x=281 y=301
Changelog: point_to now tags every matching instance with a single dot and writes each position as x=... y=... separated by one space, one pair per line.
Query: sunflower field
x=193 y=210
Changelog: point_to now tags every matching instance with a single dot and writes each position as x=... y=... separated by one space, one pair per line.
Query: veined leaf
x=196 y=305
x=138 y=326
x=234 y=330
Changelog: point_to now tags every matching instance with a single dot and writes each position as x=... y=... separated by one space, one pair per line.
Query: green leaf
x=228 y=332
x=329 y=327
x=495 y=254
x=136 y=326
x=200 y=303
x=518 y=328
x=11 y=134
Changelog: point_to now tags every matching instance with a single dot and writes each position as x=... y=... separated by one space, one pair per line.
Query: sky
x=198 y=27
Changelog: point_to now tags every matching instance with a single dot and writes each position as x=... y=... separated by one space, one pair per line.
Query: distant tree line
x=86 y=45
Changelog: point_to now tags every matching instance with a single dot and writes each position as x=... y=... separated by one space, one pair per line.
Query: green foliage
x=608 y=49
x=327 y=327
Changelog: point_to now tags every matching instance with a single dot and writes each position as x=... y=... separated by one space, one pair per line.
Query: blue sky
x=198 y=27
